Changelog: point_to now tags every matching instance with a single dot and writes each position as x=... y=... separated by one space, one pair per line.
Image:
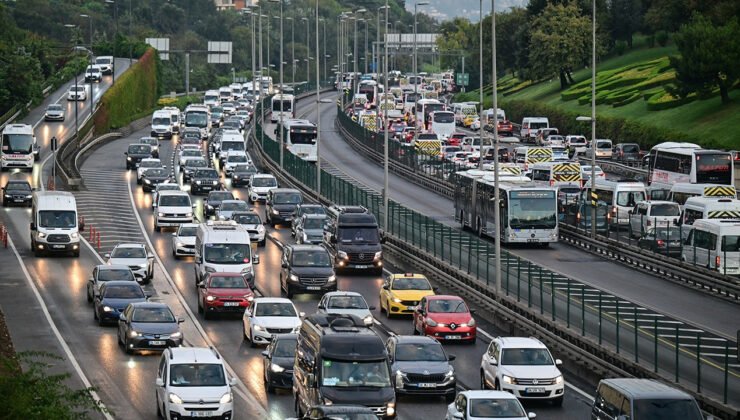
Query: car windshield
x=187 y=231
x=603 y=145
x=287 y=198
x=77 y=88
x=665 y=210
x=668 y=409
x=346 y=302
x=285 y=347
x=148 y=140
x=275 y=309
x=195 y=153
x=197 y=374
x=526 y=357
x=102 y=61
x=133 y=291
x=174 y=201
x=220 y=196
x=156 y=172
x=237 y=159
x=630 y=198
x=228 y=253
x=311 y=258
x=115 y=274
x=189 y=136
x=128 y=252
x=241 y=205
x=232 y=145
x=57 y=219
x=18 y=186
x=161 y=121
x=141 y=149
x=489 y=408
x=411 y=284
x=345 y=374
x=54 y=107
x=447 y=306
x=232 y=124
x=210 y=174
x=228 y=282
x=631 y=148
x=247 y=219
x=150 y=164
x=731 y=243
x=196 y=163
x=359 y=235
x=245 y=168
x=312 y=210
x=216 y=110
x=314 y=223
x=153 y=315
x=417 y=352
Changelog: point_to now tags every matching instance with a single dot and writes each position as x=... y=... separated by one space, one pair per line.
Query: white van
x=54 y=224
x=620 y=196
x=649 y=214
x=531 y=126
x=105 y=63
x=236 y=90
x=224 y=247
x=162 y=124
x=224 y=94
x=462 y=110
x=172 y=208
x=696 y=208
x=211 y=98
x=230 y=141
x=682 y=191
x=714 y=244
x=174 y=116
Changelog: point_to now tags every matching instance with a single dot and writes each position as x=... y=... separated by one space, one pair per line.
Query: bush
x=661 y=37
x=620 y=47
x=651 y=41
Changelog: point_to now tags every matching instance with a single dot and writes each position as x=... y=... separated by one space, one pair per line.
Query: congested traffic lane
x=641 y=288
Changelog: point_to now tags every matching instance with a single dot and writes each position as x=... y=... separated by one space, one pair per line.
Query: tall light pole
x=91 y=29
x=593 y=118
x=292 y=48
x=385 y=125
x=364 y=50
x=416 y=75
x=496 y=188
x=115 y=19
x=72 y=27
x=281 y=79
x=254 y=61
x=308 y=49
x=376 y=54
x=269 y=19
x=480 y=84
x=323 y=21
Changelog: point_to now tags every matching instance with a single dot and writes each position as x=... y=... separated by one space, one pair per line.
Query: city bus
x=198 y=116
x=19 y=148
x=442 y=123
x=369 y=88
x=299 y=137
x=282 y=104
x=672 y=163
x=424 y=107
x=529 y=213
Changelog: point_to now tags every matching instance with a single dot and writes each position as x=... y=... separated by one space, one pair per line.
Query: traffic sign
x=462 y=79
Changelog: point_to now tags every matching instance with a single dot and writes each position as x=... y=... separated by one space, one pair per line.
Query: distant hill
x=442 y=10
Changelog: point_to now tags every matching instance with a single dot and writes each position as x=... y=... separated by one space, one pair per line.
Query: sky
x=443 y=10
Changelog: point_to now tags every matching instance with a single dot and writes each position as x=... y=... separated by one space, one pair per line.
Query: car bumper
x=166 y=135
x=258 y=196
x=195 y=409
x=283 y=379
x=298 y=287
x=447 y=334
x=525 y=392
x=56 y=247
x=344 y=263
x=203 y=187
x=11 y=201
x=400 y=309
x=221 y=307
x=153 y=343
x=173 y=221
x=427 y=388
x=184 y=250
x=54 y=117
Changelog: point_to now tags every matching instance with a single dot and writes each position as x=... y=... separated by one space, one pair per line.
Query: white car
x=183 y=241
x=136 y=257
x=347 y=303
x=145 y=164
x=193 y=380
x=259 y=186
x=253 y=223
x=586 y=172
x=269 y=316
x=524 y=367
x=228 y=207
x=653 y=214
x=475 y=405
x=164 y=186
x=233 y=158
x=188 y=153
x=77 y=93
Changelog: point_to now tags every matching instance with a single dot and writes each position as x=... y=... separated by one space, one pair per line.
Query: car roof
x=341 y=293
x=521 y=342
x=414 y=339
x=645 y=388
x=149 y=305
x=395 y=276
x=306 y=247
x=130 y=245
x=194 y=355
x=126 y=283
x=272 y=300
x=446 y=297
x=501 y=395
x=315 y=216
x=172 y=192
x=112 y=267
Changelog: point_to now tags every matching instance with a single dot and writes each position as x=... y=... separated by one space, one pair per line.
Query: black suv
x=241 y=174
x=213 y=201
x=135 y=153
x=204 y=180
x=306 y=269
x=424 y=367
x=153 y=176
x=281 y=205
x=17 y=192
x=192 y=165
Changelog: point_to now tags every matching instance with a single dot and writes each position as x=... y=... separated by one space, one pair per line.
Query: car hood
x=447 y=318
x=235 y=293
x=157 y=178
x=312 y=271
x=284 y=207
x=119 y=304
x=54 y=112
x=284 y=362
x=530 y=371
x=207 y=394
x=175 y=209
x=423 y=367
x=128 y=261
x=277 y=321
x=155 y=327
x=358 y=395
x=411 y=294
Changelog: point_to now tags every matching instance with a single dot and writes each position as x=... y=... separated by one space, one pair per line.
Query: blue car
x=113 y=298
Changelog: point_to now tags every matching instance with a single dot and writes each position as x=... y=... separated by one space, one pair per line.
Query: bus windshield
x=286 y=107
x=714 y=168
x=532 y=210
x=196 y=119
x=302 y=138
x=17 y=143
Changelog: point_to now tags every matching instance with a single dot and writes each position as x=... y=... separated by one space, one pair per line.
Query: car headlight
x=332 y=279
x=176 y=335
x=74 y=235
x=471 y=323
x=197 y=182
x=293 y=277
x=133 y=334
x=258 y=328
x=210 y=270
x=189 y=214
x=215 y=182
x=142 y=265
x=430 y=322
x=397 y=300
x=450 y=373
x=390 y=409
x=249 y=298
x=226 y=398
x=174 y=399
x=236 y=176
x=378 y=255
x=275 y=211
x=147 y=181
x=328 y=401
x=247 y=271
x=107 y=309
x=128 y=158
x=507 y=379
x=342 y=255
x=559 y=379
x=368 y=320
x=210 y=298
x=42 y=235
x=29 y=196
x=276 y=368
x=160 y=214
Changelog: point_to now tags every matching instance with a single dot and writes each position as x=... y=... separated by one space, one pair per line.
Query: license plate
x=426 y=385
x=411 y=308
x=313 y=288
x=535 y=390
x=362 y=266
x=231 y=303
x=58 y=246
x=17 y=201
x=533 y=240
x=157 y=343
x=202 y=413
x=452 y=337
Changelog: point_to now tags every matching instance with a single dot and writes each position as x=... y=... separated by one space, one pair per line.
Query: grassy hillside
x=632 y=86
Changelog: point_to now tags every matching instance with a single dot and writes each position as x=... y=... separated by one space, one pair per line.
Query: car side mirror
x=284 y=264
x=33 y=226
x=106 y=256
x=531 y=415
x=233 y=382
x=148 y=294
x=302 y=314
x=266 y=354
x=159 y=382
x=125 y=153
x=180 y=320
x=435 y=289
x=154 y=205
x=150 y=256
x=451 y=357
x=558 y=362
x=174 y=233
x=122 y=317
x=493 y=361
x=198 y=260
x=630 y=212
x=194 y=205
x=386 y=286
x=371 y=308
x=202 y=285
x=472 y=311
x=255 y=259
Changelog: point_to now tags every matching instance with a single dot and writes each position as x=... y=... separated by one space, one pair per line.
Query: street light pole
x=325 y=54
x=281 y=81
x=308 y=51
x=364 y=50
x=385 y=125
x=593 y=119
x=89 y=18
x=480 y=86
x=292 y=49
x=496 y=189
x=115 y=19
x=416 y=75
x=318 y=114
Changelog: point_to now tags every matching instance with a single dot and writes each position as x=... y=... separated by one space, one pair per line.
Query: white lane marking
x=483 y=332
x=246 y=396
x=57 y=334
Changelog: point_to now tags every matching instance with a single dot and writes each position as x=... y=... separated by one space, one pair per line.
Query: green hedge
x=134 y=94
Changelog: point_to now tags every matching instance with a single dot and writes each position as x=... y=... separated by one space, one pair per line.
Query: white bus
x=266 y=85
x=282 y=104
x=370 y=89
x=681 y=192
x=672 y=163
x=529 y=213
x=697 y=208
x=18 y=147
x=620 y=196
x=198 y=117
x=211 y=98
x=299 y=137
x=423 y=108
x=442 y=123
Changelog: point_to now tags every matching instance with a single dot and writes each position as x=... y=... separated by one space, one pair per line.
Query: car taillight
x=648 y=223
x=661 y=243
x=614 y=211
x=717 y=261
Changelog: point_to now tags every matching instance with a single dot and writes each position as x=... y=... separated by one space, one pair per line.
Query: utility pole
x=496 y=188
x=386 y=191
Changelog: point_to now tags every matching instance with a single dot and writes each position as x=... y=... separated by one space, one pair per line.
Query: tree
x=626 y=16
x=560 y=41
x=709 y=57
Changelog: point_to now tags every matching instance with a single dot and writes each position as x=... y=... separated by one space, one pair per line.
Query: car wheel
x=483 y=384
x=159 y=407
x=382 y=309
x=157 y=228
x=472 y=342
x=126 y=348
x=558 y=402
x=449 y=398
x=262 y=243
x=388 y=311
x=206 y=314
x=288 y=291
x=269 y=388
x=251 y=340
x=200 y=307
x=89 y=296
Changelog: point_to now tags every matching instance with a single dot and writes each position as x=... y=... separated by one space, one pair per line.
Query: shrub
x=620 y=47
x=661 y=37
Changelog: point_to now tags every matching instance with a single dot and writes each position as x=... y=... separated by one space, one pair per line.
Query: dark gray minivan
x=642 y=399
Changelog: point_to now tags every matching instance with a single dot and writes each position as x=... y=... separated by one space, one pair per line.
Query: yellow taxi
x=470 y=119
x=401 y=293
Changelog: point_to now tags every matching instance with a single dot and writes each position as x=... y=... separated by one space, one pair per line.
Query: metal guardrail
x=620 y=336
x=619 y=169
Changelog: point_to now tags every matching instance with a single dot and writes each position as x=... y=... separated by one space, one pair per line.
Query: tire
x=126 y=347
x=200 y=307
x=159 y=407
x=157 y=228
x=76 y=254
x=252 y=344
x=388 y=311
x=558 y=402
x=206 y=314
x=288 y=291
x=89 y=296
x=381 y=308
x=269 y=388
x=262 y=243
x=449 y=398
x=483 y=384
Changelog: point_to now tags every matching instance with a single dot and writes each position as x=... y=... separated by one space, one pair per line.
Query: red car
x=455 y=139
x=445 y=318
x=224 y=293
x=505 y=127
